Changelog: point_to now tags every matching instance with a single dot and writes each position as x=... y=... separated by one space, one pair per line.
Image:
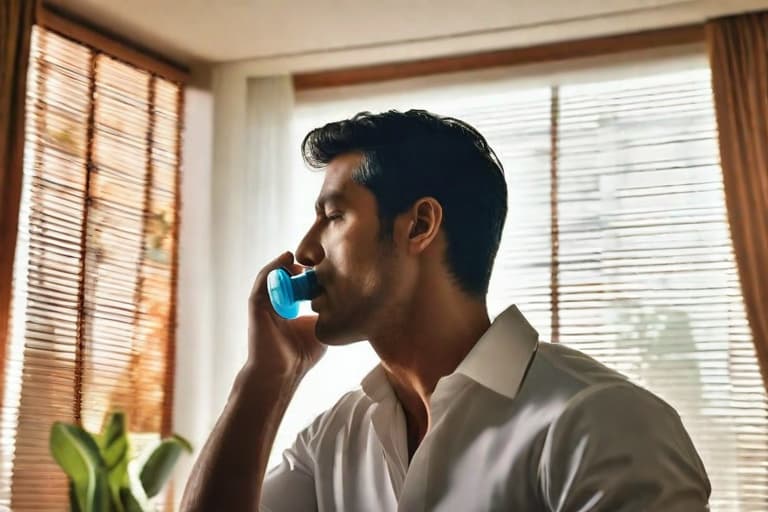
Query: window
x=647 y=280
x=95 y=270
x=616 y=243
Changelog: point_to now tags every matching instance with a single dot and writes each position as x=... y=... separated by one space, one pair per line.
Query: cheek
x=353 y=277
x=355 y=252
x=360 y=275
x=358 y=259
x=371 y=283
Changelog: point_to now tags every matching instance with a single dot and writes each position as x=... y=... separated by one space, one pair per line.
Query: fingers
x=295 y=268
x=285 y=260
x=305 y=325
x=260 y=284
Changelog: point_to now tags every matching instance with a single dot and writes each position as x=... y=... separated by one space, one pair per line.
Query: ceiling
x=207 y=31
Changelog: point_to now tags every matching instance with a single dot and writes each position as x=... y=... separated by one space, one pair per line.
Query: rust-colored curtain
x=16 y=20
x=738 y=52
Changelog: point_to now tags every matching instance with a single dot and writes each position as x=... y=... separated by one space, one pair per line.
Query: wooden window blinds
x=92 y=326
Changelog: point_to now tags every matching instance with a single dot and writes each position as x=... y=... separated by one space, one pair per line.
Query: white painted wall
x=195 y=343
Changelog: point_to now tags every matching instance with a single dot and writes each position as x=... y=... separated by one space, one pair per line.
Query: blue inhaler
x=286 y=291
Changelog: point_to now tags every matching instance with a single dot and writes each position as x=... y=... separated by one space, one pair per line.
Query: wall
x=194 y=340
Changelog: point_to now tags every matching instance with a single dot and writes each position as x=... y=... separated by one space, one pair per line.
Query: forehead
x=339 y=172
x=338 y=183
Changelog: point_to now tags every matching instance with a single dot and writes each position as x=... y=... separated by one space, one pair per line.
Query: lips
x=318 y=289
x=315 y=304
x=320 y=293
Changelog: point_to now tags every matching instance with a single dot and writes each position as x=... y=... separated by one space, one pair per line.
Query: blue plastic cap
x=286 y=291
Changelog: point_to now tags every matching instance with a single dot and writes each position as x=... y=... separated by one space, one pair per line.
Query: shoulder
x=619 y=439
x=597 y=396
x=575 y=367
x=606 y=406
x=580 y=394
x=560 y=377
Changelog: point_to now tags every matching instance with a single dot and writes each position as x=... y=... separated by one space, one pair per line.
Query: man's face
x=355 y=268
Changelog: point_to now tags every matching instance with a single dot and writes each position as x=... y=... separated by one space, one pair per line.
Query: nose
x=310 y=251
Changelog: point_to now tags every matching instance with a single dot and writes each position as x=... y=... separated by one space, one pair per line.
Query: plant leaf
x=101 y=500
x=74 y=506
x=113 y=440
x=78 y=455
x=136 y=499
x=115 y=451
x=160 y=463
x=129 y=501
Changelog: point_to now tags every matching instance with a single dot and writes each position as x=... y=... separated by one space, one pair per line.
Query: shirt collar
x=376 y=385
x=500 y=357
x=497 y=361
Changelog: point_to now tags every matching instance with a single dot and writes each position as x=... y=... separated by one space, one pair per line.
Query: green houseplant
x=103 y=474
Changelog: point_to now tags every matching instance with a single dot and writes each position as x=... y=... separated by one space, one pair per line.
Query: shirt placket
x=416 y=482
x=389 y=424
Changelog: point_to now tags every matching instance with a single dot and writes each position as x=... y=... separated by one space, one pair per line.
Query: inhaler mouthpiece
x=286 y=291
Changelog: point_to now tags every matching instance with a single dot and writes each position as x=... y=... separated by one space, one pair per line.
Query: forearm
x=230 y=471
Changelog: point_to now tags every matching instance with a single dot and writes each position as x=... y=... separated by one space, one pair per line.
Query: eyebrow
x=332 y=196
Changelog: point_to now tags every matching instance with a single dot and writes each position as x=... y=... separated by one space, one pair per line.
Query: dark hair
x=407 y=156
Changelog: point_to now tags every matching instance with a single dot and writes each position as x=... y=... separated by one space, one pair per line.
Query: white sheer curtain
x=252 y=178
x=235 y=196
x=261 y=203
x=194 y=347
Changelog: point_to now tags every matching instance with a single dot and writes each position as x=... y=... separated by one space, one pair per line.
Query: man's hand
x=276 y=346
x=229 y=473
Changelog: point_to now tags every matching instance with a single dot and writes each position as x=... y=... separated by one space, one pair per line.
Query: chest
x=479 y=456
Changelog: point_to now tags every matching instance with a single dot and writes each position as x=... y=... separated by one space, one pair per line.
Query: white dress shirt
x=568 y=434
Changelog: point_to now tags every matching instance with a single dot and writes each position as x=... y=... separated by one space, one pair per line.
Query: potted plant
x=103 y=474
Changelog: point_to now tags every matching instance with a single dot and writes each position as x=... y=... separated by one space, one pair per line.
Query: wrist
x=257 y=378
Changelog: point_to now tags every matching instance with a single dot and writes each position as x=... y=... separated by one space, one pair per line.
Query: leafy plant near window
x=104 y=475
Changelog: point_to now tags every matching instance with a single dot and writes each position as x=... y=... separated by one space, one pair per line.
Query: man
x=461 y=414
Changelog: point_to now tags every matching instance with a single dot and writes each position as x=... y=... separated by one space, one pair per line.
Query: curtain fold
x=251 y=193
x=242 y=226
x=16 y=20
x=738 y=52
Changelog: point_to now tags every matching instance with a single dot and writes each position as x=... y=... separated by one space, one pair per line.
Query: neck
x=424 y=342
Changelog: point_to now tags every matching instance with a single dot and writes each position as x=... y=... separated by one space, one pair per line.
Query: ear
x=422 y=224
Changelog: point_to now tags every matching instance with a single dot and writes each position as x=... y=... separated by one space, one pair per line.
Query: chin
x=335 y=335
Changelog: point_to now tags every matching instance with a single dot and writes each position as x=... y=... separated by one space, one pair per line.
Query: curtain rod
x=564 y=50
